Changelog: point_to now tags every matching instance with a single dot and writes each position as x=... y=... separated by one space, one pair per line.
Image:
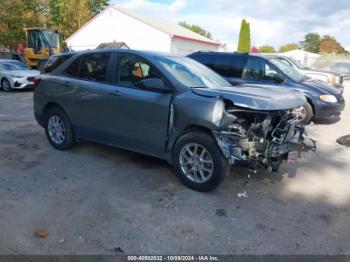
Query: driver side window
x=131 y=69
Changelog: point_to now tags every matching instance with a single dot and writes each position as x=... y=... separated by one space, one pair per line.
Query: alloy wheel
x=196 y=163
x=6 y=85
x=56 y=129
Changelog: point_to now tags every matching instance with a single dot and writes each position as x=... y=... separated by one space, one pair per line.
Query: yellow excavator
x=40 y=45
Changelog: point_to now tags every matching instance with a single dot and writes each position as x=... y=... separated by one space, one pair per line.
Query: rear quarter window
x=54 y=62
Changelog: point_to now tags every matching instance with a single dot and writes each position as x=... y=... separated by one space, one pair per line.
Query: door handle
x=115 y=93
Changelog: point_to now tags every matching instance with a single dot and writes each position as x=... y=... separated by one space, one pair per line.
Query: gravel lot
x=102 y=200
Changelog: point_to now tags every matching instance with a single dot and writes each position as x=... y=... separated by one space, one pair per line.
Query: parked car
x=342 y=68
x=9 y=55
x=330 y=77
x=16 y=75
x=323 y=101
x=169 y=107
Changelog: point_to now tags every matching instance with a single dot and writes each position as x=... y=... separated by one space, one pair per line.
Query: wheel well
x=311 y=104
x=190 y=129
x=196 y=128
x=51 y=105
x=2 y=79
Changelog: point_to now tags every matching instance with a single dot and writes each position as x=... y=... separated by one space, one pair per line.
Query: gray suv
x=169 y=107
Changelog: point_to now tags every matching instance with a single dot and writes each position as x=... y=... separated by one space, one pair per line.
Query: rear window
x=55 y=61
x=225 y=65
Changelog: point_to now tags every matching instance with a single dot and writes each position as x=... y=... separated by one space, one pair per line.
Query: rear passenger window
x=73 y=69
x=93 y=67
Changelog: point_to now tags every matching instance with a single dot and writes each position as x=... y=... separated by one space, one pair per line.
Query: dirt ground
x=96 y=199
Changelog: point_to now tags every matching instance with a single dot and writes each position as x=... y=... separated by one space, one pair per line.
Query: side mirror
x=154 y=84
x=278 y=78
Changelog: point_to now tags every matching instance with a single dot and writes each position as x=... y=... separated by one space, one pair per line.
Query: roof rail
x=242 y=53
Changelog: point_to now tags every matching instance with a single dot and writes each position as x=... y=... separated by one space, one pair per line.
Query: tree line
x=312 y=42
x=66 y=16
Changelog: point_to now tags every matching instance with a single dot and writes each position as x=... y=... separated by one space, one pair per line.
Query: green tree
x=266 y=49
x=197 y=29
x=97 y=6
x=311 y=42
x=244 y=37
x=288 y=47
x=69 y=15
x=15 y=16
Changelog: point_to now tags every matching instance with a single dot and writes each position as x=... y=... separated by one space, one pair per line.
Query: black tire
x=220 y=163
x=68 y=140
x=5 y=85
x=309 y=114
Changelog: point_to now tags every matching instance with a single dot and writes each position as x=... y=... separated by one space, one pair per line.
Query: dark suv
x=169 y=107
x=324 y=101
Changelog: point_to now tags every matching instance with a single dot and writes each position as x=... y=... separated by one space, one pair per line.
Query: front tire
x=58 y=129
x=6 y=85
x=304 y=114
x=199 y=162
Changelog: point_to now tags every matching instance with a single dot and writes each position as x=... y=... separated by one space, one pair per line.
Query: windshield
x=51 y=38
x=288 y=70
x=15 y=65
x=297 y=63
x=191 y=73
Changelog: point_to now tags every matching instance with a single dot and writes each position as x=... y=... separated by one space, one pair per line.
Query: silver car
x=16 y=75
x=333 y=78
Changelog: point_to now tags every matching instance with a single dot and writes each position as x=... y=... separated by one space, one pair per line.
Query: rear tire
x=58 y=129
x=199 y=162
x=6 y=85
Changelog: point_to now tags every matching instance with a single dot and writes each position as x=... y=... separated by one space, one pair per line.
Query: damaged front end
x=255 y=138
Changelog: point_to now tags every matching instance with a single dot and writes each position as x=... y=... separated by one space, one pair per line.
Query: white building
x=302 y=56
x=138 y=32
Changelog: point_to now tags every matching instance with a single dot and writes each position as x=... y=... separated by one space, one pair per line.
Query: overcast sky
x=274 y=22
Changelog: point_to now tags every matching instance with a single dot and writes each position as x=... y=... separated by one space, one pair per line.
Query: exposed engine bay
x=253 y=138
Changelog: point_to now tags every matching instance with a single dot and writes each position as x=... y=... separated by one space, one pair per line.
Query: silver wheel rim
x=6 y=85
x=57 y=129
x=196 y=163
x=300 y=113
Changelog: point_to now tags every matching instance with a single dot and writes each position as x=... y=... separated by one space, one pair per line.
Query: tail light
x=36 y=81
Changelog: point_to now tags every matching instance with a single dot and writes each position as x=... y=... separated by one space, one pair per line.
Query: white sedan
x=16 y=75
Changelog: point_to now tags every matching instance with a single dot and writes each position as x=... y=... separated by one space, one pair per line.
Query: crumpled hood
x=323 y=88
x=256 y=98
x=21 y=73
